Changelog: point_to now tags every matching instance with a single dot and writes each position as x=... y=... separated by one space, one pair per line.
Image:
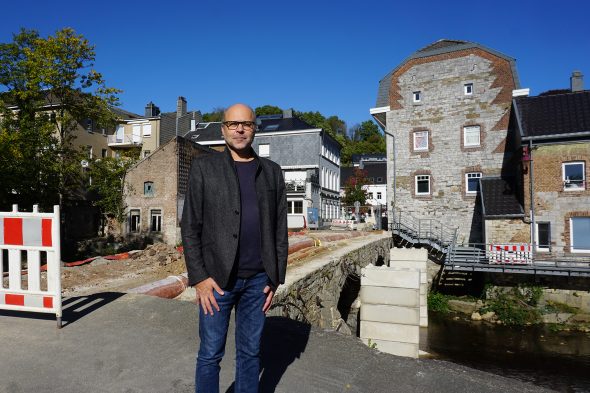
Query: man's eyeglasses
x=246 y=125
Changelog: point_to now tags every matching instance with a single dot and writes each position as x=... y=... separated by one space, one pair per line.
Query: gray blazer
x=211 y=219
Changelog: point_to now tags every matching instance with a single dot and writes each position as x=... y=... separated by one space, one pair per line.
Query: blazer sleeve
x=192 y=226
x=282 y=238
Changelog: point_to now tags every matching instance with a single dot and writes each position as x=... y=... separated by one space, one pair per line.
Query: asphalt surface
x=113 y=342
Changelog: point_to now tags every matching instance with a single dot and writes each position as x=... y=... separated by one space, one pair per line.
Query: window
x=295 y=207
x=468 y=89
x=472 y=182
x=147 y=130
x=378 y=195
x=573 y=176
x=134 y=220
x=369 y=195
x=148 y=189
x=471 y=136
x=120 y=133
x=423 y=185
x=193 y=125
x=146 y=153
x=543 y=236
x=88 y=125
x=156 y=220
x=103 y=153
x=580 y=234
x=117 y=154
x=417 y=96
x=421 y=141
x=264 y=150
x=379 y=179
x=89 y=151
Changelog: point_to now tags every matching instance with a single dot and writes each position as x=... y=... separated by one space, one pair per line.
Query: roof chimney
x=577 y=81
x=287 y=113
x=151 y=110
x=180 y=107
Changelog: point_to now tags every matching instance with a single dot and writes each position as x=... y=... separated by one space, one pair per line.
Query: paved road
x=134 y=343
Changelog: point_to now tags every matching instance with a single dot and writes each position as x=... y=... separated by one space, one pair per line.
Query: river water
x=555 y=360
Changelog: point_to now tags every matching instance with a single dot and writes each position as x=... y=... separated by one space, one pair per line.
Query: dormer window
x=417 y=96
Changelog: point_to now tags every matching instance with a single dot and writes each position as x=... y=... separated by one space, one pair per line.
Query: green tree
x=268 y=110
x=353 y=188
x=215 y=115
x=50 y=87
x=108 y=181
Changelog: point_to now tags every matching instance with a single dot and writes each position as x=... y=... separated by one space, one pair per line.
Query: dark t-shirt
x=249 y=257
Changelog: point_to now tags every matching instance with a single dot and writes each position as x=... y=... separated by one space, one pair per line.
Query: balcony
x=295 y=186
x=124 y=140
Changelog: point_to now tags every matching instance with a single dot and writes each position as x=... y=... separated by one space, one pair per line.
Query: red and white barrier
x=514 y=254
x=37 y=237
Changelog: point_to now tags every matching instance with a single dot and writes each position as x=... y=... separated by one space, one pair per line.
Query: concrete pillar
x=414 y=258
x=390 y=309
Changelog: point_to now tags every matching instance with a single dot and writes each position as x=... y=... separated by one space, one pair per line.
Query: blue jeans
x=248 y=297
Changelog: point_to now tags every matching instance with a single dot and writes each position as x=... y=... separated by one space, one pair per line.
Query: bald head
x=239 y=112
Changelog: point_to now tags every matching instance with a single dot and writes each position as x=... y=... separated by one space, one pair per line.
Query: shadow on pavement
x=283 y=341
x=73 y=308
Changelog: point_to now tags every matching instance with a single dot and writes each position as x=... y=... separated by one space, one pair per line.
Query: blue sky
x=309 y=55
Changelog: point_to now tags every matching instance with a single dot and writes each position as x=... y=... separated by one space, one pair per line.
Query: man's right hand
x=205 y=296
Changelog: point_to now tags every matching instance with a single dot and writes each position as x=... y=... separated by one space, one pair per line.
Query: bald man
x=234 y=233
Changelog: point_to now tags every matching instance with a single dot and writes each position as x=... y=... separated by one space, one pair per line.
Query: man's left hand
x=270 y=292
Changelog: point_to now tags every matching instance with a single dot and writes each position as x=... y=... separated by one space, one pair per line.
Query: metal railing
x=131 y=140
x=423 y=230
x=295 y=186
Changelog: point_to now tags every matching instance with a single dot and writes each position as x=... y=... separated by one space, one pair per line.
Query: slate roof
x=499 y=198
x=437 y=48
x=374 y=170
x=275 y=124
x=553 y=115
x=125 y=115
x=206 y=132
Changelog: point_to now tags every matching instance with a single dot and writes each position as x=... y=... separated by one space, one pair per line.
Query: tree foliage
x=108 y=181
x=268 y=110
x=49 y=86
x=215 y=115
x=353 y=188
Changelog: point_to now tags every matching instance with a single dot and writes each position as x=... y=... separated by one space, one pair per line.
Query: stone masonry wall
x=552 y=203
x=443 y=111
x=507 y=231
x=312 y=291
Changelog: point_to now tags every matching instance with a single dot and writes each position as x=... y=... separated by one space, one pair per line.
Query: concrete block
x=423 y=290
x=389 y=277
x=391 y=314
x=392 y=296
x=423 y=277
x=390 y=332
x=423 y=321
x=394 y=347
x=408 y=264
x=423 y=312
x=409 y=254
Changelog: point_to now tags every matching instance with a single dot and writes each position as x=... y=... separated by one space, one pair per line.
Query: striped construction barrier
x=31 y=239
x=514 y=254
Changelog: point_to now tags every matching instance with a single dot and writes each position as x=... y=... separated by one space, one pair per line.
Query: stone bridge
x=323 y=292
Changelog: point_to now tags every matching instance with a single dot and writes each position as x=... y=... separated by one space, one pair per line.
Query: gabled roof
x=499 y=199
x=374 y=170
x=553 y=116
x=437 y=48
x=125 y=115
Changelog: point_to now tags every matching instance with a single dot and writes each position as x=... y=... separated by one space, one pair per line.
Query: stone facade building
x=445 y=111
x=155 y=190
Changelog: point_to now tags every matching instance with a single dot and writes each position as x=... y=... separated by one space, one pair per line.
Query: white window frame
x=468 y=89
x=379 y=195
x=152 y=215
x=471 y=175
x=131 y=215
x=581 y=250
x=416 y=148
x=421 y=177
x=567 y=181
x=264 y=150
x=370 y=195
x=146 y=130
x=417 y=96
x=471 y=128
x=538 y=247
x=291 y=206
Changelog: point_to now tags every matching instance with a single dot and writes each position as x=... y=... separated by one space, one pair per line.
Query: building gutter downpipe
x=532 y=207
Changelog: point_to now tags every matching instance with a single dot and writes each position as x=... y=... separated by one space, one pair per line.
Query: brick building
x=155 y=190
x=445 y=111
